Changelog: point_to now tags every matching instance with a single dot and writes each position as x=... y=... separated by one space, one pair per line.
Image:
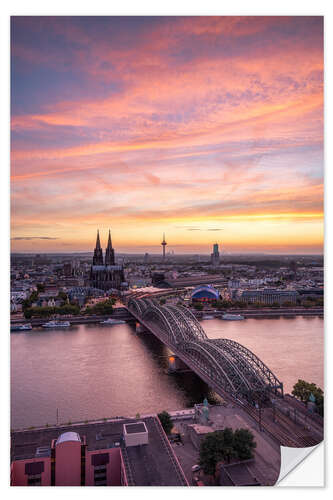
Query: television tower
x=164 y=243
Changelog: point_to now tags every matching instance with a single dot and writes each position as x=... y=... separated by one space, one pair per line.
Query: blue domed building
x=205 y=293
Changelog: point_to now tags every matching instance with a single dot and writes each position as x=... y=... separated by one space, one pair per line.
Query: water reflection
x=92 y=371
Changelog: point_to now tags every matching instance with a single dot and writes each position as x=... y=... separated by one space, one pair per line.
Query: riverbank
x=122 y=313
x=265 y=312
x=119 y=313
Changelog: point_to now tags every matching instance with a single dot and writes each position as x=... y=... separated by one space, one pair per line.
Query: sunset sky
x=207 y=129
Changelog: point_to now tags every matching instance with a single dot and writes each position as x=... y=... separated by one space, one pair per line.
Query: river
x=96 y=371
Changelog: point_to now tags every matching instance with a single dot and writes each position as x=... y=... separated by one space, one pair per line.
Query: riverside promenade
x=122 y=313
x=264 y=312
x=119 y=313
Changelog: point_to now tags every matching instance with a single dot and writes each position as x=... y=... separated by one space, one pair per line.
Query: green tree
x=165 y=419
x=105 y=307
x=302 y=391
x=62 y=295
x=244 y=443
x=216 y=447
x=25 y=304
x=222 y=304
x=43 y=312
x=40 y=287
x=27 y=313
x=309 y=303
x=240 y=304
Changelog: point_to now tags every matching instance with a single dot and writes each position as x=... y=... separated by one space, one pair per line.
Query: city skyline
x=195 y=127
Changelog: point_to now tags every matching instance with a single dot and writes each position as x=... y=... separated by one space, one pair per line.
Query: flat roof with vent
x=135 y=428
x=135 y=434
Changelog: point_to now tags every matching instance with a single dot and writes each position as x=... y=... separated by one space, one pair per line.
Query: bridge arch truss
x=230 y=365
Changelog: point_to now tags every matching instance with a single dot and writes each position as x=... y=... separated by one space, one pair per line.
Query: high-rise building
x=67 y=268
x=215 y=256
x=105 y=274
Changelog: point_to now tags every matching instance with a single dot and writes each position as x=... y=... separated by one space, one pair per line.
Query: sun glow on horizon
x=205 y=128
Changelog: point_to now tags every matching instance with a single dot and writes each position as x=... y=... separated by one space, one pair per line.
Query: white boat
x=56 y=324
x=232 y=317
x=111 y=321
x=207 y=316
x=20 y=328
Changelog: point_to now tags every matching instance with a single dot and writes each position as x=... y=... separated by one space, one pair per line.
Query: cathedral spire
x=109 y=240
x=98 y=252
x=109 y=253
x=98 y=243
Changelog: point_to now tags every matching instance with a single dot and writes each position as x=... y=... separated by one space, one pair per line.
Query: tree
x=62 y=295
x=240 y=304
x=198 y=306
x=225 y=445
x=165 y=419
x=222 y=304
x=287 y=303
x=27 y=313
x=244 y=443
x=302 y=391
x=33 y=297
x=216 y=447
x=40 y=287
x=105 y=307
x=43 y=312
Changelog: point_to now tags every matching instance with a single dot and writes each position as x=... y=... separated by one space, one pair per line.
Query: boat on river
x=111 y=321
x=232 y=317
x=56 y=324
x=20 y=328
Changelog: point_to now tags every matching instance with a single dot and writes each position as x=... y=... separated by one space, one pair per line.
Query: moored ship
x=20 y=328
x=111 y=321
x=56 y=324
x=232 y=317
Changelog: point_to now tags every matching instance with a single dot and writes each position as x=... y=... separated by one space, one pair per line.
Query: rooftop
x=237 y=474
x=153 y=464
x=135 y=428
x=68 y=436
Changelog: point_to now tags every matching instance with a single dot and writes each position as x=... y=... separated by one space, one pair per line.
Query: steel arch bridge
x=223 y=363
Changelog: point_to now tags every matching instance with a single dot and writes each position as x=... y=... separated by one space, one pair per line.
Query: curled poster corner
x=291 y=458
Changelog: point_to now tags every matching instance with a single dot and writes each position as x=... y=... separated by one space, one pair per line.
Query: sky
x=209 y=129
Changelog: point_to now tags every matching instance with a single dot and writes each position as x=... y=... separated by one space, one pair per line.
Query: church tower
x=109 y=253
x=98 y=253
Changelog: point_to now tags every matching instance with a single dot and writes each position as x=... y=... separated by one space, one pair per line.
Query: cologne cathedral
x=104 y=273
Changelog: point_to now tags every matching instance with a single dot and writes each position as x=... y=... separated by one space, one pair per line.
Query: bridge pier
x=175 y=364
x=139 y=328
